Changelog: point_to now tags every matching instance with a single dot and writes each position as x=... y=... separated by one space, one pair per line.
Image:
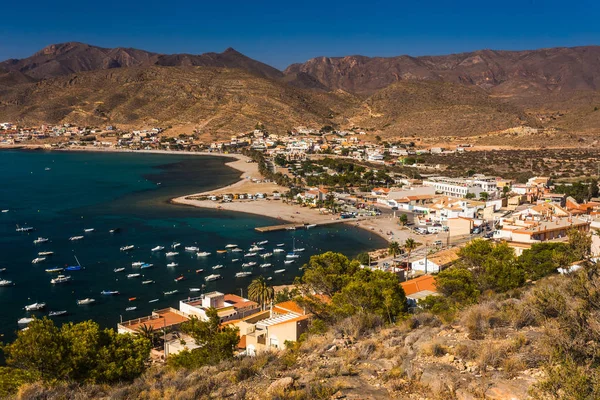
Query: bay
x=62 y=193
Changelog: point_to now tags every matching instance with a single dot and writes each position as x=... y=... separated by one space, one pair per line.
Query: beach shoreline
x=276 y=209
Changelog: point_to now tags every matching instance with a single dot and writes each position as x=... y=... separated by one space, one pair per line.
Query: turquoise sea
x=62 y=193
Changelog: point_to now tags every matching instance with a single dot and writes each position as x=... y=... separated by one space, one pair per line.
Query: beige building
x=460 y=226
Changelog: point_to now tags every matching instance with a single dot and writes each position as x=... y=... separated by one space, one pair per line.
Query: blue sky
x=281 y=33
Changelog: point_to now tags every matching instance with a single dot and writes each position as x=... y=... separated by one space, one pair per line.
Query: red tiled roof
x=425 y=282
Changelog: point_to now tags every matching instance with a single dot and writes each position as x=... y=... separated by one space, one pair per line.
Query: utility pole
x=165 y=337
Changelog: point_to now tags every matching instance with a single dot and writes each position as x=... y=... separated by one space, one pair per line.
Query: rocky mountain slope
x=67 y=58
x=460 y=95
x=502 y=72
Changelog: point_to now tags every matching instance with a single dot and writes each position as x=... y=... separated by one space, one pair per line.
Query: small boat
x=148 y=282
x=137 y=264
x=6 y=282
x=47 y=169
x=256 y=248
x=24 y=321
x=127 y=248
x=218 y=266
x=195 y=289
x=248 y=265
x=310 y=226
x=171 y=292
x=153 y=301
x=88 y=230
x=281 y=245
x=172 y=264
x=237 y=250
x=199 y=271
x=157 y=248
x=131 y=309
x=134 y=275
x=300 y=250
x=292 y=255
x=57 y=313
x=243 y=274
x=175 y=245
x=290 y=228
x=45 y=253
x=74 y=268
x=60 y=279
x=279 y=271
x=191 y=248
x=2 y=269
x=145 y=266
x=38 y=260
x=278 y=250
x=212 y=277
x=5 y=211
x=221 y=251
x=231 y=246
x=203 y=254
x=179 y=278
x=262 y=243
x=119 y=269
x=24 y=228
x=132 y=298
x=35 y=306
x=172 y=254
x=54 y=270
x=75 y=238
x=266 y=265
x=41 y=240
x=266 y=255
x=235 y=260
x=86 y=301
x=250 y=255
x=115 y=230
x=289 y=261
x=269 y=278
x=109 y=292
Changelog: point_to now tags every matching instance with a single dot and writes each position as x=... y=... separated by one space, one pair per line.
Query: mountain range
x=464 y=94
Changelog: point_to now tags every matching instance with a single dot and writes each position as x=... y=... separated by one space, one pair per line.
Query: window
x=274 y=342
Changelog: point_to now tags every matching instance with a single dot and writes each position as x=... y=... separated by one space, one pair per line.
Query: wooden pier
x=295 y=226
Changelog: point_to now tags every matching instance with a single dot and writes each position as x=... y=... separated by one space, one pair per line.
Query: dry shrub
x=366 y=348
x=480 y=318
x=434 y=349
x=492 y=354
x=358 y=325
x=513 y=365
x=423 y=319
x=466 y=351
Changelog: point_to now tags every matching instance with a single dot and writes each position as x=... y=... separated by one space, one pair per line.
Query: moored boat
x=85 y=301
x=266 y=265
x=171 y=254
x=88 y=230
x=38 y=260
x=200 y=270
x=221 y=251
x=203 y=254
x=6 y=282
x=57 y=313
x=278 y=250
x=243 y=274
x=218 y=266
x=134 y=275
x=25 y=321
x=179 y=278
x=191 y=248
x=310 y=226
x=212 y=277
x=175 y=245
x=231 y=246
x=40 y=240
x=75 y=238
x=262 y=243
x=119 y=269
x=148 y=282
x=145 y=266
x=109 y=292
x=60 y=279
x=45 y=253
x=250 y=255
x=279 y=271
x=128 y=247
x=289 y=261
x=266 y=255
x=195 y=289
x=74 y=268
x=157 y=248
x=280 y=244
x=291 y=255
x=54 y=270
x=237 y=250
x=131 y=309
x=115 y=230
x=35 y=306
x=170 y=292
x=172 y=264
x=137 y=263
x=24 y=228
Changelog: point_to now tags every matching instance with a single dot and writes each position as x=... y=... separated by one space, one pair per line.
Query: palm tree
x=394 y=249
x=410 y=245
x=260 y=291
x=147 y=332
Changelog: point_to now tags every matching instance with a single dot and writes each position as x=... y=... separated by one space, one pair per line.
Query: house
x=229 y=306
x=460 y=226
x=270 y=329
x=436 y=262
x=419 y=288
x=314 y=195
x=159 y=319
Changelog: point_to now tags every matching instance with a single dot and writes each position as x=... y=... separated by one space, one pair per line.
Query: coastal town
x=322 y=177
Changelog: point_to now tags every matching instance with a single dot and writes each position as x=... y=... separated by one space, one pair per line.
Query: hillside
x=67 y=58
x=219 y=100
x=436 y=109
x=505 y=73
